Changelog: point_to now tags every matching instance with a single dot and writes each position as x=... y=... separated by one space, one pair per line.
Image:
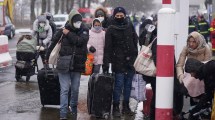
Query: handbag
x=55 y=52
x=23 y=64
x=138 y=89
x=89 y=64
x=66 y=63
x=144 y=64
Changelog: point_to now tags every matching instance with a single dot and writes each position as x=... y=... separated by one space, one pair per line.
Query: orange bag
x=89 y=64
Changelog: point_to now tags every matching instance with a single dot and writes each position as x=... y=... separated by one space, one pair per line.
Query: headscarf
x=93 y=28
x=200 y=40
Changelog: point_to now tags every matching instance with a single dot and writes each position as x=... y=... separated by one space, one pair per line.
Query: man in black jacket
x=74 y=42
x=121 y=51
x=50 y=18
x=204 y=72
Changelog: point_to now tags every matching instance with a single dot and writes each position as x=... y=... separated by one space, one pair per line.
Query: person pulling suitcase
x=71 y=61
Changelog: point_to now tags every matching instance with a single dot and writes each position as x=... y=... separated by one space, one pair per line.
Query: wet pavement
x=21 y=100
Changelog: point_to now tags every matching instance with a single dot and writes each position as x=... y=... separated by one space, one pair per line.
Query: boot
x=116 y=112
x=126 y=109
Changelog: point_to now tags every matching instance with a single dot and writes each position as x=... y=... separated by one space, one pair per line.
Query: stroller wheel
x=18 y=78
x=28 y=78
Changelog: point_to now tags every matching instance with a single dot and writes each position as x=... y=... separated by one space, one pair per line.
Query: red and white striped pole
x=165 y=63
x=5 y=58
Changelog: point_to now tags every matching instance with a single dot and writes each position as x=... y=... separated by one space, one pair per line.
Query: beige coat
x=201 y=53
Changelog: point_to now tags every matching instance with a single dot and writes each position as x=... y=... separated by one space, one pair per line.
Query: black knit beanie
x=76 y=18
x=119 y=9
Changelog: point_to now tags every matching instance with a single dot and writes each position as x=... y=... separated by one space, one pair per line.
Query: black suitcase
x=99 y=96
x=49 y=86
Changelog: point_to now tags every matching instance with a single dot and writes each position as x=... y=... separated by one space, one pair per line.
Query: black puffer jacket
x=120 y=47
x=77 y=38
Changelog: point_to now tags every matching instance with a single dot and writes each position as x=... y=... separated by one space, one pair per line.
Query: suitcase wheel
x=28 y=78
x=18 y=78
x=106 y=116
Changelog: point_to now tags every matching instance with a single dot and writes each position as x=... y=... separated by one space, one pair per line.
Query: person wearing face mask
x=42 y=31
x=96 y=44
x=102 y=14
x=121 y=51
x=74 y=40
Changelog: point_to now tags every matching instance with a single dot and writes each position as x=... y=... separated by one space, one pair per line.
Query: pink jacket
x=97 y=40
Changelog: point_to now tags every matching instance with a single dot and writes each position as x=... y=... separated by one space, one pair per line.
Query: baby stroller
x=201 y=114
x=26 y=56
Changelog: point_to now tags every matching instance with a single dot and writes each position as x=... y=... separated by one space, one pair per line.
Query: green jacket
x=27 y=45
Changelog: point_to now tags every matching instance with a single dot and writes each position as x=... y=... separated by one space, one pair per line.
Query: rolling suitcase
x=147 y=102
x=99 y=96
x=49 y=86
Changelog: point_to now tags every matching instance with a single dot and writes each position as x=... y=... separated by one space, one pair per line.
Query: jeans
x=66 y=80
x=123 y=82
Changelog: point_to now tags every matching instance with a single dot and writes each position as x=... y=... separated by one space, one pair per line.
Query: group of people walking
x=113 y=41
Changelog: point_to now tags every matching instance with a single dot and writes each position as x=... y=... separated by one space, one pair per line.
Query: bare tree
x=33 y=17
x=43 y=6
x=88 y=4
x=105 y=3
x=83 y=3
x=56 y=6
x=49 y=5
x=69 y=5
x=62 y=6
x=134 y=5
x=79 y=3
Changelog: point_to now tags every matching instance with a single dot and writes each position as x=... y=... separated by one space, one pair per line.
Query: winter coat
x=206 y=72
x=27 y=45
x=201 y=53
x=76 y=38
x=53 y=26
x=45 y=36
x=97 y=39
x=203 y=28
x=120 y=47
x=142 y=41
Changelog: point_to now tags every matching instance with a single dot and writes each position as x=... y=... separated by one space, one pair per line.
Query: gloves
x=40 y=48
x=92 y=49
x=105 y=68
x=181 y=77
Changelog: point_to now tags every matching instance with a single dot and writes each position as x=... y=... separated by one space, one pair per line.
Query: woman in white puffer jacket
x=96 y=44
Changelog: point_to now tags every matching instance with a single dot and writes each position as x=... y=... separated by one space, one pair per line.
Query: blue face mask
x=97 y=28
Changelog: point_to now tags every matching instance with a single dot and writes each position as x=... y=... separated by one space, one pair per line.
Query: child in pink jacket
x=96 y=44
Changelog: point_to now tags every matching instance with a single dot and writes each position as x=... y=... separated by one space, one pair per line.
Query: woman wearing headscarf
x=198 y=49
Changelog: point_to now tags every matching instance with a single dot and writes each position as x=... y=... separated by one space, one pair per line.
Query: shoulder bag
x=55 y=52
x=144 y=64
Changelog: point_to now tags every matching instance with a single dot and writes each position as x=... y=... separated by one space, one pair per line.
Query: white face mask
x=77 y=24
x=42 y=24
x=101 y=18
